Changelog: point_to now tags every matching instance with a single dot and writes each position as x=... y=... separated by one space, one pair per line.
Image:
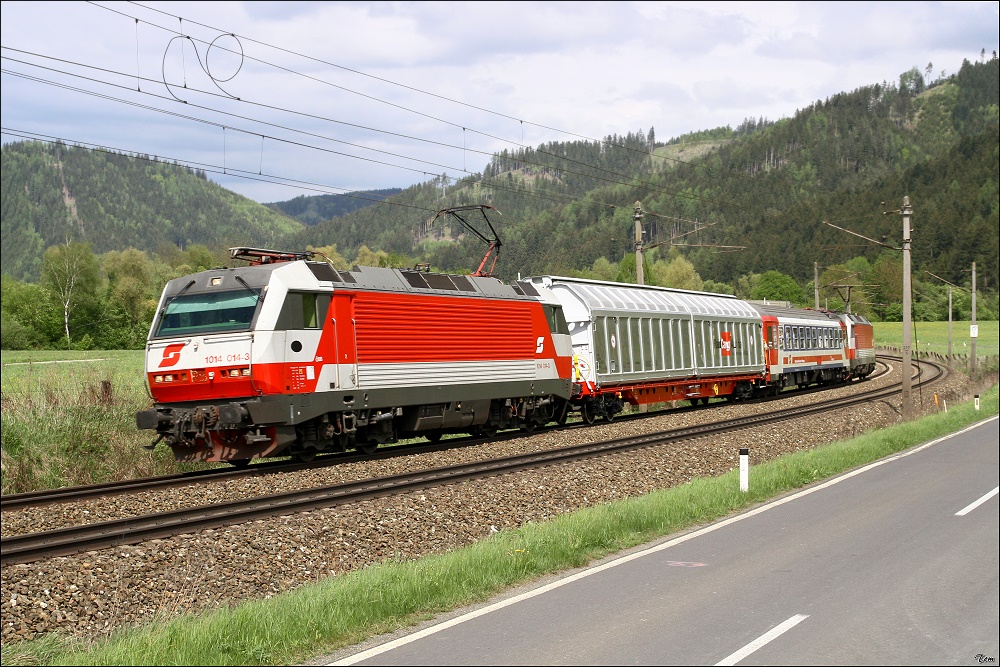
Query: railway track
x=65 y=541
x=20 y=501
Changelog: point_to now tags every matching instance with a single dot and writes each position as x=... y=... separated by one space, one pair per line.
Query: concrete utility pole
x=974 y=329
x=949 y=325
x=816 y=283
x=639 y=278
x=907 y=322
x=950 y=308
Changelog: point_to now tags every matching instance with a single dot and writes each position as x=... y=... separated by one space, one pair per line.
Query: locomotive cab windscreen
x=208 y=313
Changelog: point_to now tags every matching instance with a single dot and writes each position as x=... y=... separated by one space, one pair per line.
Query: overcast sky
x=364 y=95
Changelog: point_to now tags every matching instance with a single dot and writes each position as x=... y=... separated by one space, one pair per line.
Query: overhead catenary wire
x=629 y=180
x=269 y=178
x=454 y=124
x=632 y=182
x=445 y=98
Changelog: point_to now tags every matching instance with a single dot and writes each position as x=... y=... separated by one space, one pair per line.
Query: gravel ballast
x=91 y=594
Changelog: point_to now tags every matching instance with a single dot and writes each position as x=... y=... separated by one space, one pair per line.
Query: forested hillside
x=318 y=208
x=767 y=186
x=55 y=194
x=738 y=210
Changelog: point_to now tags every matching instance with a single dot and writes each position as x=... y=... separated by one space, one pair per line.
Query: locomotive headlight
x=211 y=375
x=246 y=372
x=158 y=379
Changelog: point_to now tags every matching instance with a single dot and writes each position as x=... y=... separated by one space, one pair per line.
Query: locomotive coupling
x=151 y=418
x=233 y=414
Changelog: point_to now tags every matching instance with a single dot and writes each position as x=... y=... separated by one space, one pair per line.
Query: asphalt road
x=893 y=563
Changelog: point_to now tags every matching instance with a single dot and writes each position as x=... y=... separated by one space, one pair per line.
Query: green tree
x=70 y=273
x=368 y=257
x=776 y=286
x=678 y=273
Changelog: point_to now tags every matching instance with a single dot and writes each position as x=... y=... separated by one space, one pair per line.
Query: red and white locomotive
x=289 y=357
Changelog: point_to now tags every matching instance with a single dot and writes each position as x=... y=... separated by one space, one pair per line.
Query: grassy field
x=320 y=618
x=933 y=337
x=68 y=419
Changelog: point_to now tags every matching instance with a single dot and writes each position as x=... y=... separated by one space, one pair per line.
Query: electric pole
x=639 y=278
x=816 y=283
x=907 y=320
x=949 y=325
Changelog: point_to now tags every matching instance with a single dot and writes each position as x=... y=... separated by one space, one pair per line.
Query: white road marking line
x=426 y=632
x=765 y=638
x=969 y=508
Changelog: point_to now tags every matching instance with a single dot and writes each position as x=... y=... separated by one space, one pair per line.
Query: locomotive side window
x=556 y=319
x=303 y=310
x=212 y=312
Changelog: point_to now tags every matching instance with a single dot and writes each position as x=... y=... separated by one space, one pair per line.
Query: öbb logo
x=171 y=354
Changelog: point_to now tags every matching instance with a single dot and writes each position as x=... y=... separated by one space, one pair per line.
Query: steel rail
x=65 y=541
x=20 y=501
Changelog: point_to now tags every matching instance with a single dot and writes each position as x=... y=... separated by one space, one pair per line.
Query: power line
x=388 y=81
x=633 y=181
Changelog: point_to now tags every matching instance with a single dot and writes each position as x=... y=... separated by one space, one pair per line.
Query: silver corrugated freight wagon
x=632 y=336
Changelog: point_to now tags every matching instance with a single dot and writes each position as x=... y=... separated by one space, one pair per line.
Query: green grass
x=344 y=610
x=933 y=337
x=68 y=419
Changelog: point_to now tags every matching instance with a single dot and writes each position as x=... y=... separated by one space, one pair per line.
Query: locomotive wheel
x=307 y=456
x=587 y=412
x=239 y=463
x=366 y=448
x=528 y=427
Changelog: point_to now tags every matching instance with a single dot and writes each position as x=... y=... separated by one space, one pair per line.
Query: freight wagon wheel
x=587 y=411
x=307 y=456
x=239 y=463
x=433 y=436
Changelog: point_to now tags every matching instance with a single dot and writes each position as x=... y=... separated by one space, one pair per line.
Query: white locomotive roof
x=613 y=298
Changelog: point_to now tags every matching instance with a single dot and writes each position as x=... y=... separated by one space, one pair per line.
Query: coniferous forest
x=90 y=238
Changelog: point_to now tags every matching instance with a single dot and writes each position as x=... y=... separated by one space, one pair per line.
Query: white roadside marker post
x=744 y=469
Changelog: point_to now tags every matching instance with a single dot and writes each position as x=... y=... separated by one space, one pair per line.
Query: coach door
x=345 y=340
x=771 y=338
